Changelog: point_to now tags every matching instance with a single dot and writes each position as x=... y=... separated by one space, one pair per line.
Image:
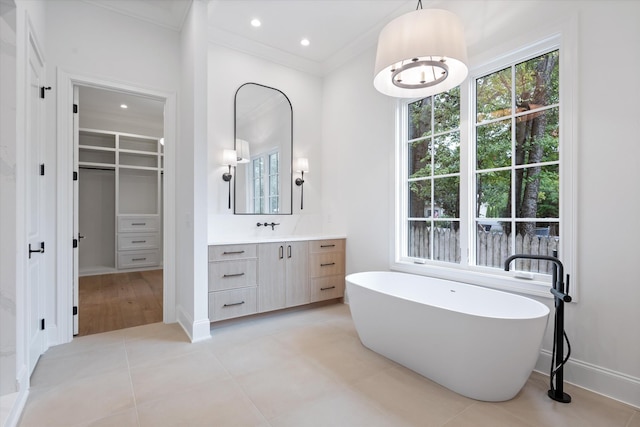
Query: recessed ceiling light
x=304 y=42
x=255 y=22
x=123 y=106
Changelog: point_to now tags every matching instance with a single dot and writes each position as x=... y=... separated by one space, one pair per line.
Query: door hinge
x=75 y=310
x=42 y=324
x=42 y=89
x=75 y=108
x=42 y=169
x=75 y=175
x=75 y=243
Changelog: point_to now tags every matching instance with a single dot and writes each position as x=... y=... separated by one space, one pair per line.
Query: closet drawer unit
x=232 y=274
x=136 y=241
x=232 y=303
x=324 y=288
x=132 y=259
x=326 y=264
x=138 y=223
x=332 y=245
x=231 y=252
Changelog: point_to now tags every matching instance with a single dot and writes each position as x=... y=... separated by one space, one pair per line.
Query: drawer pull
x=327 y=264
x=233 y=303
x=232 y=252
x=326 y=289
x=138 y=241
x=138 y=259
x=138 y=223
x=233 y=275
x=327 y=246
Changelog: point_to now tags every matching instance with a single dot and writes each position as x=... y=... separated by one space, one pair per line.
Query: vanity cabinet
x=254 y=278
x=283 y=274
x=326 y=269
x=233 y=288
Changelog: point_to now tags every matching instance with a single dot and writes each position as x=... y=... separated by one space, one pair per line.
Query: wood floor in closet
x=121 y=300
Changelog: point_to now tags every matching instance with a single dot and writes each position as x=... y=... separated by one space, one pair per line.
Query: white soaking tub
x=478 y=342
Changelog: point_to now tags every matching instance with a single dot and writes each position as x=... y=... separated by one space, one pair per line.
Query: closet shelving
x=119 y=201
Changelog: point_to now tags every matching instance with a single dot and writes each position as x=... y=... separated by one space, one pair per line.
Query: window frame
x=564 y=39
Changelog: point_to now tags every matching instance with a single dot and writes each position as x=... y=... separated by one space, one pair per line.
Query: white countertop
x=249 y=240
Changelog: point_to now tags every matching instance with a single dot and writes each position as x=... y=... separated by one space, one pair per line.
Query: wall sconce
x=302 y=166
x=229 y=158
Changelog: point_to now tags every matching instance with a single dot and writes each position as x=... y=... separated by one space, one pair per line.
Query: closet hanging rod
x=97 y=168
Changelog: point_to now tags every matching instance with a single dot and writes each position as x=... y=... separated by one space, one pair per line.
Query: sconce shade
x=242 y=151
x=302 y=165
x=420 y=54
x=229 y=158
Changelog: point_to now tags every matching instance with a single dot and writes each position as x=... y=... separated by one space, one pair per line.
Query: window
x=266 y=183
x=433 y=184
x=484 y=172
x=516 y=168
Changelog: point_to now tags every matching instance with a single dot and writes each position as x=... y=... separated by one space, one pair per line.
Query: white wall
x=228 y=70
x=191 y=185
x=8 y=300
x=358 y=160
x=602 y=325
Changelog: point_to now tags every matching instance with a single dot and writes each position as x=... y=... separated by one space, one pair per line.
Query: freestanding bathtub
x=478 y=342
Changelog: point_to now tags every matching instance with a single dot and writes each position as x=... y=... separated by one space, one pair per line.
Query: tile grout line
x=133 y=392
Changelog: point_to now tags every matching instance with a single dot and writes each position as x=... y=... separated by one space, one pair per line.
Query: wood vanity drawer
x=332 y=245
x=134 y=241
x=232 y=303
x=138 y=223
x=132 y=259
x=232 y=274
x=326 y=264
x=323 y=288
x=231 y=252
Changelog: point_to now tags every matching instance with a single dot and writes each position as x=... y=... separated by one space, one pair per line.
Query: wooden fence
x=492 y=247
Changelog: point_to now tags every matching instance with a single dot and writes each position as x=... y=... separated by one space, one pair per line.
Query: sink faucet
x=266 y=224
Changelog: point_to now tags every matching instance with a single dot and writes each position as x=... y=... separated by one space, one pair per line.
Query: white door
x=76 y=231
x=35 y=206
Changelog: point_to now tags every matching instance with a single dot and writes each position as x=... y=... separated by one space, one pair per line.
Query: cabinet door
x=297 y=273
x=271 y=276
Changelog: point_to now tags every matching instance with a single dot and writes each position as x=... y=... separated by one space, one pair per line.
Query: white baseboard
x=196 y=331
x=606 y=382
x=12 y=405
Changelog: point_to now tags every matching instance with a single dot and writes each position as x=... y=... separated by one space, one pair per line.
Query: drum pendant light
x=421 y=53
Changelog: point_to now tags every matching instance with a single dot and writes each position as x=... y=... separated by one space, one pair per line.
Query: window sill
x=500 y=280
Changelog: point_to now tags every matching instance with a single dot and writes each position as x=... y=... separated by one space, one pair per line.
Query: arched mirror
x=264 y=144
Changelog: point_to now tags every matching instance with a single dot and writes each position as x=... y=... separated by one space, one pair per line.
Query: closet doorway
x=119 y=159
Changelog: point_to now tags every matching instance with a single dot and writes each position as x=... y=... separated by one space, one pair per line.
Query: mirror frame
x=290 y=160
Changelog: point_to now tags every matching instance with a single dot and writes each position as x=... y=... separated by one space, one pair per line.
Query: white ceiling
x=337 y=29
x=166 y=13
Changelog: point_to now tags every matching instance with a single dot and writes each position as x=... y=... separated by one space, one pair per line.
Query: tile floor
x=301 y=368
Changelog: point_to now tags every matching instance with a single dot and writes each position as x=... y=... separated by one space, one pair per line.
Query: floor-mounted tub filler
x=478 y=342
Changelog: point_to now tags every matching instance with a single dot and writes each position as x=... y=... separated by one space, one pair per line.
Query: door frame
x=64 y=204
